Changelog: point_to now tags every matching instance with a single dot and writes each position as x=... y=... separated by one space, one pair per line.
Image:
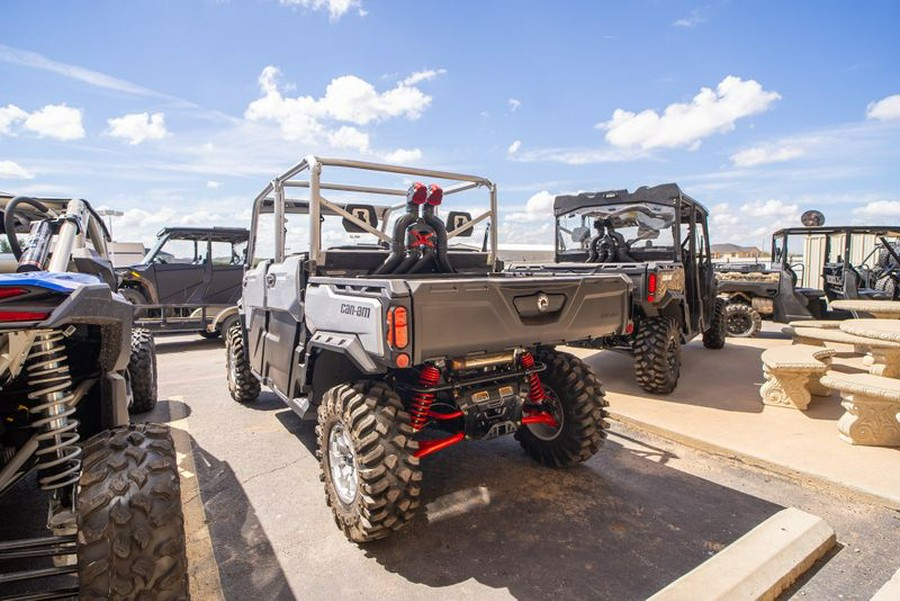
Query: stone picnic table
x=881 y=309
x=882 y=330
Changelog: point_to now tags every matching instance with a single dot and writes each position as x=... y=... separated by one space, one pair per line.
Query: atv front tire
x=714 y=337
x=142 y=371
x=131 y=542
x=742 y=320
x=242 y=384
x=580 y=410
x=365 y=450
x=657 y=355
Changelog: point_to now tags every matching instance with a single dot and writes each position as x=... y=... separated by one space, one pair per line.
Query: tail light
x=10 y=292
x=652 y=286
x=398 y=327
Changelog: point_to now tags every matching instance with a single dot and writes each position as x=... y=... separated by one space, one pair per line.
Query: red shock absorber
x=429 y=376
x=536 y=389
x=536 y=396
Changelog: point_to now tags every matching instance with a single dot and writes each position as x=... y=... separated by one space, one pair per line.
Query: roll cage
x=689 y=212
x=308 y=175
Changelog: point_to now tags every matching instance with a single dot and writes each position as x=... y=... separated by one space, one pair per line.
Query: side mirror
x=458 y=219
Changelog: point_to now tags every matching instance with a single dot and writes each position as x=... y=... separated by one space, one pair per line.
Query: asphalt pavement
x=494 y=525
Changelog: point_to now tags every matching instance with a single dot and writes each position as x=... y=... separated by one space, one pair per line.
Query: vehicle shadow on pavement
x=166 y=344
x=570 y=534
x=248 y=566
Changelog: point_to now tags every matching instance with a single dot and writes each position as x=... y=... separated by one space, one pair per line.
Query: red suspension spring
x=421 y=402
x=535 y=388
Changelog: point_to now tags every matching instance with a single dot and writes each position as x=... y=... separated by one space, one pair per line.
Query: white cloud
x=36 y=61
x=763 y=155
x=349 y=137
x=686 y=124
x=769 y=208
x=514 y=104
x=56 y=121
x=886 y=109
x=138 y=127
x=213 y=184
x=347 y=98
x=879 y=208
x=9 y=116
x=336 y=8
x=514 y=147
x=538 y=208
x=692 y=20
x=420 y=76
x=403 y=156
x=11 y=170
x=578 y=156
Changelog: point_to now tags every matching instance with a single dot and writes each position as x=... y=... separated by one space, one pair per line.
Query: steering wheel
x=9 y=221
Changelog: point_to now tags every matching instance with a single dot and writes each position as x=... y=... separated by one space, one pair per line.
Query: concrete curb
x=890 y=591
x=804 y=477
x=203 y=571
x=759 y=565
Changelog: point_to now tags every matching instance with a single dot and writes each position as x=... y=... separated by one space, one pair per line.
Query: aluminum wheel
x=342 y=463
x=545 y=431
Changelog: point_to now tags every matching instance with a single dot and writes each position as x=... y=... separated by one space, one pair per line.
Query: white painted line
x=203 y=571
x=890 y=591
x=759 y=565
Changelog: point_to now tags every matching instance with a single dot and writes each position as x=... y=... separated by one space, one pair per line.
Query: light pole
x=109 y=214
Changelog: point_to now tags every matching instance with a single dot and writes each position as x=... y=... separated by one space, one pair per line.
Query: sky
x=178 y=112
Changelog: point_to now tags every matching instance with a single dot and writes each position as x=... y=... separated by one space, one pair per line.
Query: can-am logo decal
x=356 y=310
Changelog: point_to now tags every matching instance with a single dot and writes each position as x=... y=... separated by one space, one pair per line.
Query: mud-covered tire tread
x=651 y=364
x=142 y=371
x=243 y=385
x=131 y=542
x=734 y=309
x=389 y=476
x=714 y=337
x=584 y=412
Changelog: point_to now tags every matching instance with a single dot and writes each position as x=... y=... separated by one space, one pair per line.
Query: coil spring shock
x=421 y=401
x=535 y=388
x=59 y=456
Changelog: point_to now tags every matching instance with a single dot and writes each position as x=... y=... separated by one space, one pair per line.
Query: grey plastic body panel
x=457 y=317
x=460 y=316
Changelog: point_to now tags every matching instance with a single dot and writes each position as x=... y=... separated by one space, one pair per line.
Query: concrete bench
x=825 y=324
x=871 y=404
x=792 y=375
x=882 y=357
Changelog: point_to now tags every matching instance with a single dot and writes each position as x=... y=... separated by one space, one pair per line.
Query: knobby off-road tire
x=387 y=475
x=742 y=320
x=242 y=384
x=580 y=411
x=136 y=298
x=714 y=337
x=142 y=372
x=657 y=355
x=130 y=524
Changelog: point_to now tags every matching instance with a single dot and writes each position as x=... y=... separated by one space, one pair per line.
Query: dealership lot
x=638 y=515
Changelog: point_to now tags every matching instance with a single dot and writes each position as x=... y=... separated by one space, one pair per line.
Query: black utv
x=658 y=237
x=189 y=281
x=811 y=267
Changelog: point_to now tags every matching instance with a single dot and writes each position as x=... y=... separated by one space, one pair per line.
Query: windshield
x=642 y=225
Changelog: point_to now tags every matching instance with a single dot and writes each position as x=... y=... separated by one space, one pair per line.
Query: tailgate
x=458 y=317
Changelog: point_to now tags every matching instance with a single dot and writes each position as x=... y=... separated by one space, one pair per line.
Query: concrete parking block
x=890 y=591
x=759 y=565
